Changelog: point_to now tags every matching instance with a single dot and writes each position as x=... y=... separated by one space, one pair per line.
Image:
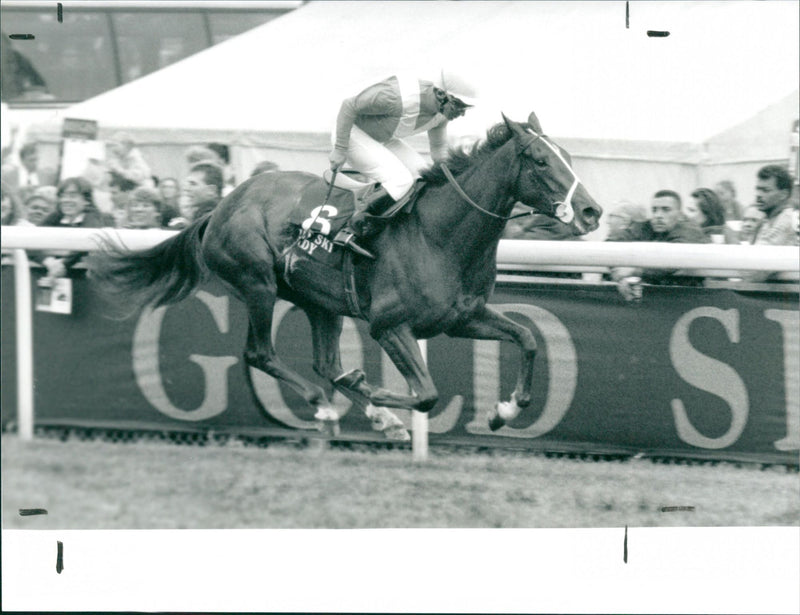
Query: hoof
x=507 y=410
x=397 y=434
x=496 y=422
x=327 y=421
x=385 y=421
x=328 y=428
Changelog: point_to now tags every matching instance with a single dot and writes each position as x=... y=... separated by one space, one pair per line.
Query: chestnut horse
x=434 y=272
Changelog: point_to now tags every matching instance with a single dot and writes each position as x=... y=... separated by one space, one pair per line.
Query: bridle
x=564 y=210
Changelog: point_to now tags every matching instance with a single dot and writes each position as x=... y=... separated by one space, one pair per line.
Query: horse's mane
x=460 y=159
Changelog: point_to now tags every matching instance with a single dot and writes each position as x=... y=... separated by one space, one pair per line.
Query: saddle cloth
x=317 y=217
x=313 y=261
x=324 y=217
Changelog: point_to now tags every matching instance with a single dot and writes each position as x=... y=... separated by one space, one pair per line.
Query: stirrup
x=346 y=238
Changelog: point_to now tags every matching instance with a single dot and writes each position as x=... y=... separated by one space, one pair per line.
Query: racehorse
x=434 y=272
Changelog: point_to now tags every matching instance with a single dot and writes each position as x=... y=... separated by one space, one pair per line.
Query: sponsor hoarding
x=703 y=372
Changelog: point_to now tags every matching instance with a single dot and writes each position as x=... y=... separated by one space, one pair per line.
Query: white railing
x=512 y=254
x=648 y=255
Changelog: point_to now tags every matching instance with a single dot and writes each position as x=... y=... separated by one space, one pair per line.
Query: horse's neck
x=456 y=226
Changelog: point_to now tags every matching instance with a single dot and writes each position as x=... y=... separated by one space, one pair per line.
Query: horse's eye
x=540 y=162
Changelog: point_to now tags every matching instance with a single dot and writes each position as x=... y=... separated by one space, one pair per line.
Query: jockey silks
x=397 y=107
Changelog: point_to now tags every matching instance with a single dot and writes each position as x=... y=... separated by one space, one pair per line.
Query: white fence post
x=419 y=421
x=24 y=318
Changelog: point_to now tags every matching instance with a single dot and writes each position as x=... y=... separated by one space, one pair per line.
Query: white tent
x=638 y=113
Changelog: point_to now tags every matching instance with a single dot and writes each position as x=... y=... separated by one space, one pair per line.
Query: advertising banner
x=702 y=372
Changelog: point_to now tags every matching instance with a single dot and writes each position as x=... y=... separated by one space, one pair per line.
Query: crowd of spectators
x=125 y=191
x=711 y=216
x=122 y=191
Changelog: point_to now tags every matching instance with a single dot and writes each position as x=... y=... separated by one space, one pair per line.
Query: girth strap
x=350 y=293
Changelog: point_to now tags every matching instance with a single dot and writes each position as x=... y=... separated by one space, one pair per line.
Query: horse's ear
x=513 y=126
x=533 y=122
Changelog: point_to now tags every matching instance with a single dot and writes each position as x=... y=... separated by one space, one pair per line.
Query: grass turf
x=157 y=485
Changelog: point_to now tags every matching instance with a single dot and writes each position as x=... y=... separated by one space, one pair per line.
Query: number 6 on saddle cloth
x=317 y=224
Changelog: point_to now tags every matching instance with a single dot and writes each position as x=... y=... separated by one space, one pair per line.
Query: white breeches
x=394 y=164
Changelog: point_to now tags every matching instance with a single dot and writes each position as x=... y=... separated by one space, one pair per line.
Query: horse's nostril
x=590 y=214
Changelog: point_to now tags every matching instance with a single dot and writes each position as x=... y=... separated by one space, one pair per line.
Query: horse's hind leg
x=241 y=257
x=326 y=329
x=260 y=353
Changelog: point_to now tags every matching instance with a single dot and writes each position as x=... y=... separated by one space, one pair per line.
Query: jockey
x=370 y=129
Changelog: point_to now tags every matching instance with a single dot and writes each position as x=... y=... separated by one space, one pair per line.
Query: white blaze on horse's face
x=564 y=209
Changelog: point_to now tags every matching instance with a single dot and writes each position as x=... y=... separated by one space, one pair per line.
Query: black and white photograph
x=400 y=306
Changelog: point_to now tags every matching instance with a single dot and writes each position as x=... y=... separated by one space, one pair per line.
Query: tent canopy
x=713 y=100
x=585 y=74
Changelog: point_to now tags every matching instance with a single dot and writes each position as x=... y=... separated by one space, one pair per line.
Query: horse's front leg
x=489 y=324
x=401 y=346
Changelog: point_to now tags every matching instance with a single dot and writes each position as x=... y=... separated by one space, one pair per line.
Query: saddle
x=364 y=189
x=325 y=215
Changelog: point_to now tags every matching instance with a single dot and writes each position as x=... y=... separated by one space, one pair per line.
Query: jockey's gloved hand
x=337 y=159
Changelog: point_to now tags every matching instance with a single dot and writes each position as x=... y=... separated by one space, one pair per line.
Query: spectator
x=40 y=204
x=202 y=190
x=726 y=192
x=224 y=160
x=169 y=191
x=144 y=209
x=707 y=212
x=773 y=194
x=27 y=176
x=623 y=215
x=779 y=227
x=214 y=153
x=265 y=166
x=10 y=207
x=120 y=189
x=75 y=208
x=200 y=153
x=751 y=220
x=665 y=225
x=123 y=158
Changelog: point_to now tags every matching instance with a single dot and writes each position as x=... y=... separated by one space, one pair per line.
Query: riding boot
x=376 y=203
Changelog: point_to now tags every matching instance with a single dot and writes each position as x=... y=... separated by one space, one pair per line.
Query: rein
x=465 y=196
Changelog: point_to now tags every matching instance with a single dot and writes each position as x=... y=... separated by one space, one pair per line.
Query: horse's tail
x=163 y=274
